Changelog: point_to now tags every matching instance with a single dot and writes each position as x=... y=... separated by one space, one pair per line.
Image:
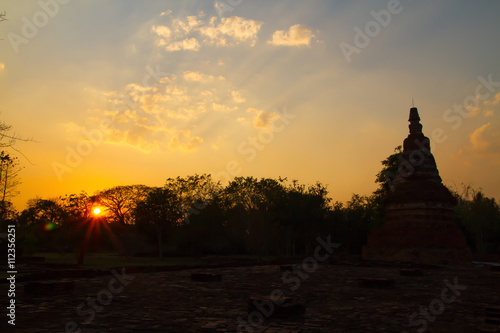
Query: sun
x=97 y=211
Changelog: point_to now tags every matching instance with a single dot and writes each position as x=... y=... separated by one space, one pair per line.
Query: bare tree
x=9 y=165
x=8 y=139
x=9 y=177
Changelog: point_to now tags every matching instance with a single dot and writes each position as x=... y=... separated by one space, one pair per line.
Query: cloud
x=490 y=105
x=186 y=44
x=484 y=144
x=137 y=134
x=238 y=28
x=485 y=108
x=223 y=107
x=297 y=35
x=162 y=114
x=192 y=32
x=262 y=119
x=200 y=77
x=73 y=131
x=494 y=101
x=482 y=138
x=237 y=97
x=183 y=141
x=183 y=27
x=162 y=31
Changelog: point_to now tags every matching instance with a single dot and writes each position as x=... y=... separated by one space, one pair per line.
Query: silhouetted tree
x=43 y=211
x=304 y=214
x=121 y=201
x=8 y=214
x=158 y=213
x=385 y=178
x=37 y=224
x=195 y=193
x=206 y=231
x=360 y=214
x=479 y=218
x=256 y=204
x=78 y=206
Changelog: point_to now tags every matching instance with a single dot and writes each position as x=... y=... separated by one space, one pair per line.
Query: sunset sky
x=134 y=92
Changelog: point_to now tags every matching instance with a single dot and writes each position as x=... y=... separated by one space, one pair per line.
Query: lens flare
x=49 y=226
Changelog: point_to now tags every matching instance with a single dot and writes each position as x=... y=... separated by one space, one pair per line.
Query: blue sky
x=143 y=91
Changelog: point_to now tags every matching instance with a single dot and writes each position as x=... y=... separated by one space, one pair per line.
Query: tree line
x=195 y=215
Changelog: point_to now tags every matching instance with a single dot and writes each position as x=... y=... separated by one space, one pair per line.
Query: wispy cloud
x=165 y=116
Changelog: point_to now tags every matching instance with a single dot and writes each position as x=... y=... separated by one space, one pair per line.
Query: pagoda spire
x=417 y=161
x=415 y=125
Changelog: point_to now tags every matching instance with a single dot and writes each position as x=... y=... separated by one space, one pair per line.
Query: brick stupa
x=419 y=225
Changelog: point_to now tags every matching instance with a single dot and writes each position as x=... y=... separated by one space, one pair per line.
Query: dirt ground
x=444 y=299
